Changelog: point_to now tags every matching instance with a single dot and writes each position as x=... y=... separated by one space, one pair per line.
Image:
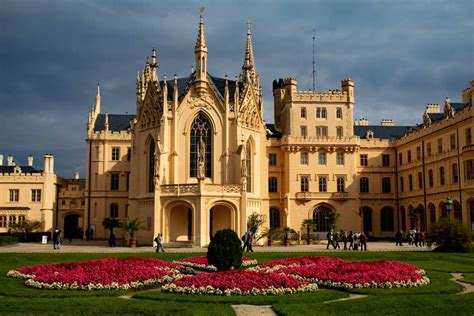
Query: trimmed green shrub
x=450 y=236
x=224 y=251
x=8 y=240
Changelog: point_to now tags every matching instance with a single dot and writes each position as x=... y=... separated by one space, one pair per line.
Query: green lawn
x=434 y=299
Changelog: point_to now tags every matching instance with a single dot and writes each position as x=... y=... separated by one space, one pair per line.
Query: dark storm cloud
x=402 y=55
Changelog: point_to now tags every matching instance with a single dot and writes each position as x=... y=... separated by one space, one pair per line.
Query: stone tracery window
x=151 y=166
x=200 y=128
x=248 y=160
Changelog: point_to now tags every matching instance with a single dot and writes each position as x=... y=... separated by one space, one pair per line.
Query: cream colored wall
x=72 y=194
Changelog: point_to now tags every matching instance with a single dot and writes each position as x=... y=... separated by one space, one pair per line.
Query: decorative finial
x=201 y=10
x=249 y=26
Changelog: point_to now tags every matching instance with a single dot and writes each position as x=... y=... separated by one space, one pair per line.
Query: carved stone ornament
x=202 y=101
x=426 y=119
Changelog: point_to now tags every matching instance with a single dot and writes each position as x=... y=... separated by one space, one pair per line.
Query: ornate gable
x=152 y=109
x=205 y=99
x=249 y=114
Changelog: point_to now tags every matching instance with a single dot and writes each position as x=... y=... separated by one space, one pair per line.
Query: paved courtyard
x=101 y=246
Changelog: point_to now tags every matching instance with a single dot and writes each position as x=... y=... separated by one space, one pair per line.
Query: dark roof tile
x=117 y=122
x=382 y=132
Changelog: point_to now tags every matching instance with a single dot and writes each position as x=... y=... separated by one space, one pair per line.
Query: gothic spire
x=201 y=39
x=97 y=99
x=200 y=52
x=249 y=72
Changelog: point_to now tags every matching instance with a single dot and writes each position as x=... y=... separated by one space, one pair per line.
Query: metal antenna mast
x=314 y=63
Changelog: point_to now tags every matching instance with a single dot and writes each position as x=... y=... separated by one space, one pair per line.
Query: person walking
x=249 y=242
x=57 y=239
x=350 y=239
x=363 y=242
x=245 y=238
x=330 y=237
x=112 y=240
x=399 y=237
x=159 y=243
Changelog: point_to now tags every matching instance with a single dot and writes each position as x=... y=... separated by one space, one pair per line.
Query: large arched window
x=151 y=166
x=274 y=218
x=366 y=219
x=386 y=217
x=248 y=161
x=403 y=218
x=200 y=129
x=321 y=215
x=457 y=212
x=432 y=211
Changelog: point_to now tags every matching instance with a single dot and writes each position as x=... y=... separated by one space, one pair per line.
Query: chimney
x=363 y=122
x=1 y=160
x=76 y=175
x=30 y=160
x=10 y=160
x=387 y=122
x=432 y=108
x=48 y=163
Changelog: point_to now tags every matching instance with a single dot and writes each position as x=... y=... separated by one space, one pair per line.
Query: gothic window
x=387 y=219
x=274 y=218
x=151 y=166
x=321 y=215
x=248 y=160
x=201 y=128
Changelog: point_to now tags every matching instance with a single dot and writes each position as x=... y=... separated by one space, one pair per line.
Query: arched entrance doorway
x=366 y=219
x=180 y=226
x=71 y=226
x=324 y=218
x=220 y=217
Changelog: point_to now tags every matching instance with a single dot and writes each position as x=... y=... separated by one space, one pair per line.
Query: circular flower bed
x=202 y=264
x=239 y=282
x=114 y=273
x=333 y=272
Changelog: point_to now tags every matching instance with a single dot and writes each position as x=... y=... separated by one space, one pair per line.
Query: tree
x=26 y=225
x=110 y=223
x=450 y=236
x=132 y=226
x=254 y=224
x=309 y=224
x=224 y=251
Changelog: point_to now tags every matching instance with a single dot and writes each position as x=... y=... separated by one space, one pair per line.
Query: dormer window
x=369 y=134
x=17 y=170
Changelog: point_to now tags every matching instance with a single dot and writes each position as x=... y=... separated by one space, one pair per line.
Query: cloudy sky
x=401 y=54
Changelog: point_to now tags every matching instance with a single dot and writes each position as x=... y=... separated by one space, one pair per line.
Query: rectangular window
x=272 y=159
x=455 y=173
x=442 y=179
x=115 y=153
x=114 y=211
x=129 y=153
x=340 y=159
x=304 y=131
x=14 y=195
x=21 y=219
x=321 y=131
x=430 y=178
x=386 y=185
x=339 y=132
x=323 y=184
x=114 y=181
x=452 y=141
x=303 y=113
x=402 y=184
x=420 y=180
x=400 y=159
x=272 y=184
x=418 y=153
x=11 y=220
x=410 y=182
x=409 y=156
x=321 y=113
x=339 y=113
x=428 y=149
x=304 y=158
x=469 y=169
x=440 y=145
x=386 y=160
x=341 y=184
x=364 y=160
x=128 y=181
x=304 y=183
x=35 y=195
x=468 y=136
x=3 y=221
x=364 y=185
x=322 y=158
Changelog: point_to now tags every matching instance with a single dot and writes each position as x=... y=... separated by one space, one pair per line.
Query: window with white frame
x=364 y=160
x=339 y=132
x=321 y=113
x=115 y=153
x=3 y=221
x=323 y=183
x=339 y=113
x=35 y=195
x=304 y=131
x=341 y=183
x=14 y=195
x=321 y=131
x=304 y=183
x=340 y=159
x=322 y=158
x=11 y=220
x=21 y=219
x=304 y=158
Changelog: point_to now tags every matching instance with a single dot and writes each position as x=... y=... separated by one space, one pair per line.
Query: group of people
x=351 y=241
x=414 y=237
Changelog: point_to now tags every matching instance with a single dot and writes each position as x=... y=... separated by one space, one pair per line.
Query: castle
x=198 y=157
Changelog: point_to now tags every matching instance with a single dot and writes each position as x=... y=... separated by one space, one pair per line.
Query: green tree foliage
x=110 y=223
x=132 y=226
x=225 y=251
x=254 y=224
x=450 y=236
x=28 y=225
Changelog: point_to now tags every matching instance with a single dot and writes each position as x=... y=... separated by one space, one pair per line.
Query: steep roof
x=24 y=169
x=117 y=122
x=382 y=132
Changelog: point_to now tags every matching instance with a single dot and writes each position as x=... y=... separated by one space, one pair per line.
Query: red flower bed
x=116 y=273
x=238 y=282
x=335 y=272
x=201 y=263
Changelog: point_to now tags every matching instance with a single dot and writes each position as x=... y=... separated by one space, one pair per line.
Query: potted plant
x=130 y=227
x=287 y=231
x=110 y=223
x=308 y=224
x=268 y=233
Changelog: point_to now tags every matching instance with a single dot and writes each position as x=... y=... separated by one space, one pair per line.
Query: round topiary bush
x=450 y=236
x=224 y=251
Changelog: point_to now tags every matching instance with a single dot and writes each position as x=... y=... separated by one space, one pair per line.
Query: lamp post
x=449 y=206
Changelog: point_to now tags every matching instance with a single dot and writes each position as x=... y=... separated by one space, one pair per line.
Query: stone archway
x=366 y=218
x=71 y=226
x=180 y=223
x=220 y=217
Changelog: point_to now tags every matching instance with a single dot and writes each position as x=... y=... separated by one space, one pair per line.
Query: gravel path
x=250 y=310
x=467 y=287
